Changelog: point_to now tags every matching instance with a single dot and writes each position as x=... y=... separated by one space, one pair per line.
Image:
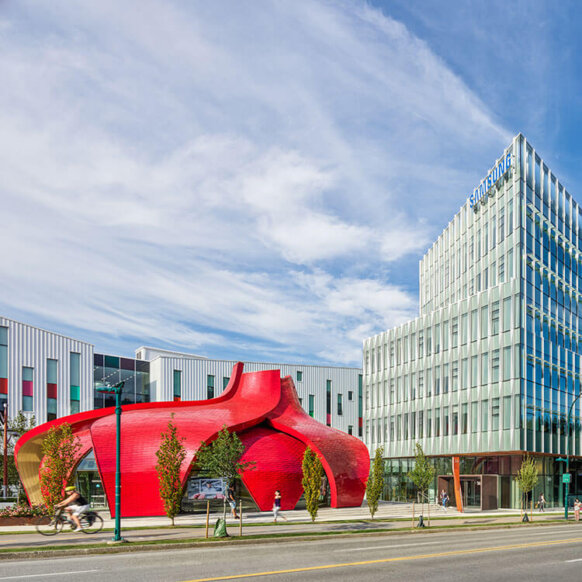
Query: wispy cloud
x=239 y=180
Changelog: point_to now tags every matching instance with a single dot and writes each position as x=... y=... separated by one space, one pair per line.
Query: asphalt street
x=549 y=552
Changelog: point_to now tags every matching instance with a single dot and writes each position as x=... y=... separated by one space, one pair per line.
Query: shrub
x=24 y=511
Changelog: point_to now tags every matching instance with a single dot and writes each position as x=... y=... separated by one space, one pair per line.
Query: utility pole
x=5 y=463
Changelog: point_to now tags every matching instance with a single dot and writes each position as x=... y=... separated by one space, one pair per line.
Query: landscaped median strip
x=270 y=537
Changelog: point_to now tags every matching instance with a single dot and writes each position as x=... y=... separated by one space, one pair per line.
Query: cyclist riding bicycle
x=75 y=505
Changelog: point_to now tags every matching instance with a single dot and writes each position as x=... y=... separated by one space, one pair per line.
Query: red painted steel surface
x=259 y=406
x=277 y=458
x=345 y=458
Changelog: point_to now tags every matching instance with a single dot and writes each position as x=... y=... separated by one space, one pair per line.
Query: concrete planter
x=20 y=520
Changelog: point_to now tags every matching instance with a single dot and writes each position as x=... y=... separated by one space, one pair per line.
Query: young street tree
x=60 y=448
x=526 y=479
x=17 y=426
x=221 y=458
x=171 y=455
x=375 y=483
x=312 y=476
x=422 y=474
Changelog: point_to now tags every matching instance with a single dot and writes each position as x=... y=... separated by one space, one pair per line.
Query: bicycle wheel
x=48 y=526
x=92 y=523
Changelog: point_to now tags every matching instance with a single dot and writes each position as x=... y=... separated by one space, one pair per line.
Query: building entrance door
x=471 y=490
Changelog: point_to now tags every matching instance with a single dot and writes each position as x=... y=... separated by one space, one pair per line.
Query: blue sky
x=258 y=180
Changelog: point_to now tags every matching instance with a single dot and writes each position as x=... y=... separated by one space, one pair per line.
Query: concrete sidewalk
x=191 y=529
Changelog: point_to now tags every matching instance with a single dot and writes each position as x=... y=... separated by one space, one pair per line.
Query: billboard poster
x=205 y=488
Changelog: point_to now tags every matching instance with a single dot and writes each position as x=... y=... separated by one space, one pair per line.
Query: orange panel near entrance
x=457 y=482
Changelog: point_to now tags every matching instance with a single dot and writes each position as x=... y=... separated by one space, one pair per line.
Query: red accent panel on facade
x=3 y=385
x=277 y=458
x=260 y=406
x=27 y=387
x=51 y=390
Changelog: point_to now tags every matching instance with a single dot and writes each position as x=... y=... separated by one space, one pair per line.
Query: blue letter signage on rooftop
x=494 y=175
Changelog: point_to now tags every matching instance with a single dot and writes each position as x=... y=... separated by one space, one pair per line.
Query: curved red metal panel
x=345 y=458
x=252 y=399
x=277 y=458
x=256 y=394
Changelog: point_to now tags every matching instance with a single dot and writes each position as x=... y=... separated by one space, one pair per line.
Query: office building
x=489 y=370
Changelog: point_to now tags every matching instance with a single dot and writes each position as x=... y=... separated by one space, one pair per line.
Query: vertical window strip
x=51 y=388
x=27 y=388
x=177 y=385
x=3 y=365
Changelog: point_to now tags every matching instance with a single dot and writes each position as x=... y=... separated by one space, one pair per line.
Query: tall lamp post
x=116 y=389
x=567 y=472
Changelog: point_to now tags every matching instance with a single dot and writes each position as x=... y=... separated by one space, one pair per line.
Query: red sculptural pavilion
x=260 y=407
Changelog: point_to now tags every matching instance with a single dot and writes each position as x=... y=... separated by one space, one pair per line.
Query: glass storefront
x=89 y=482
x=113 y=369
x=500 y=471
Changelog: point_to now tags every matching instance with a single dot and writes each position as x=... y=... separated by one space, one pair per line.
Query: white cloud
x=224 y=177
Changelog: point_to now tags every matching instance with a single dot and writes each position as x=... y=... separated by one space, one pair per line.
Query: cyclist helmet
x=70 y=488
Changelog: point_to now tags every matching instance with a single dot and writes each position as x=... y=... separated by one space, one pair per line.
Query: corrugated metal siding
x=31 y=347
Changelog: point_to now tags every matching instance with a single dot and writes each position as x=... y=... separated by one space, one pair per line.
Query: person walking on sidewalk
x=277 y=506
x=541 y=502
x=232 y=500
x=577 y=506
x=444 y=499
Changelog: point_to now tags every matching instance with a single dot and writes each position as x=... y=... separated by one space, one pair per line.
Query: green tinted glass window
x=75 y=379
x=177 y=383
x=51 y=371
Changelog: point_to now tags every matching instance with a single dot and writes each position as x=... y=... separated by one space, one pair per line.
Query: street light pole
x=116 y=389
x=117 y=537
x=568 y=455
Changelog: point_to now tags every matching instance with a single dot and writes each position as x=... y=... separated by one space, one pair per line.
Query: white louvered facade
x=30 y=347
x=309 y=381
x=149 y=377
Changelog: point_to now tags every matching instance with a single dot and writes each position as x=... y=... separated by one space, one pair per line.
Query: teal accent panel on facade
x=111 y=362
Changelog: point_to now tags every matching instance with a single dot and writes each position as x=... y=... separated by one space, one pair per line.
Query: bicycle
x=91 y=523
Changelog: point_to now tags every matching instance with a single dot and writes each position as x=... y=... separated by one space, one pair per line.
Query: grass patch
x=135 y=546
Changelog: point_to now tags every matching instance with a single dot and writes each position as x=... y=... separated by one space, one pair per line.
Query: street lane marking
x=368 y=548
x=45 y=574
x=387 y=560
x=576 y=560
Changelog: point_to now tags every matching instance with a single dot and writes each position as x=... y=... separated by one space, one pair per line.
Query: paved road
x=550 y=552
